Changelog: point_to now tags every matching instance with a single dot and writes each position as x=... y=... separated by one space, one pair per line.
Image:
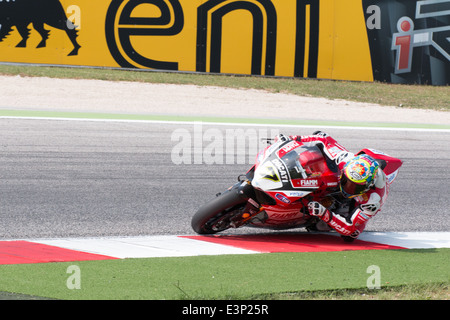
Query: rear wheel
x=217 y=215
x=348 y=239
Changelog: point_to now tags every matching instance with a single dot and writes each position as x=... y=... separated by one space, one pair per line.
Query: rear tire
x=348 y=239
x=213 y=216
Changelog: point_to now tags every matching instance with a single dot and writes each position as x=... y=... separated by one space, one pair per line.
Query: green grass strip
x=228 y=276
x=141 y=117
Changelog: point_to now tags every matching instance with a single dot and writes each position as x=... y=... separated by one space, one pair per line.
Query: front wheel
x=217 y=215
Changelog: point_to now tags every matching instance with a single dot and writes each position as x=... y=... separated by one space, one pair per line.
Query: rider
x=362 y=184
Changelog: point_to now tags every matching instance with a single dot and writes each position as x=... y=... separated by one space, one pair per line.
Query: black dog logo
x=20 y=13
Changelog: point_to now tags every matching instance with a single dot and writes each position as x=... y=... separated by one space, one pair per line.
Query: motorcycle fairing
x=289 y=171
x=293 y=169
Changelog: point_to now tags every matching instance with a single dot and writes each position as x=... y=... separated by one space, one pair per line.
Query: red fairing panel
x=392 y=164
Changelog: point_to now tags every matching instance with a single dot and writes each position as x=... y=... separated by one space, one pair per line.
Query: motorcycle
x=275 y=192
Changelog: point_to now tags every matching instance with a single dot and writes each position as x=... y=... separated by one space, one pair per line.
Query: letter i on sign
x=401 y=42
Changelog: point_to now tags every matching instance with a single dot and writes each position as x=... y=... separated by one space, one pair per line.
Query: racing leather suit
x=350 y=217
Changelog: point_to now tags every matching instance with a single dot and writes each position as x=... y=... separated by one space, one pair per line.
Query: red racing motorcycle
x=275 y=192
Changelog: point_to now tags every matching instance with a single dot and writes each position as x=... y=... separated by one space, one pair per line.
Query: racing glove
x=318 y=210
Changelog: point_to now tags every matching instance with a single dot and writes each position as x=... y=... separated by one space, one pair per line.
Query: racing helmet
x=358 y=175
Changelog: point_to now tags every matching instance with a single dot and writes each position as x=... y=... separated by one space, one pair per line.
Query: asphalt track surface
x=89 y=178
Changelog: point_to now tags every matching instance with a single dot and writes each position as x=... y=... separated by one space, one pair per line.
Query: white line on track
x=276 y=125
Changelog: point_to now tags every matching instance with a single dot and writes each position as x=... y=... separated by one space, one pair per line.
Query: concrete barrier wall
x=398 y=41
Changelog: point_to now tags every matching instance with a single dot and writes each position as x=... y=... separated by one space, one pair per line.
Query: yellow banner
x=301 y=38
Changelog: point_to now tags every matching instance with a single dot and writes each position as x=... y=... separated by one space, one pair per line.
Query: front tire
x=216 y=215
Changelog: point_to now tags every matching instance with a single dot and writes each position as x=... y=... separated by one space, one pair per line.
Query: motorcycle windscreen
x=305 y=162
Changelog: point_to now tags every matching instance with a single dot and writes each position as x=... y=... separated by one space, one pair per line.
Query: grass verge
x=407 y=96
x=256 y=276
x=429 y=291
